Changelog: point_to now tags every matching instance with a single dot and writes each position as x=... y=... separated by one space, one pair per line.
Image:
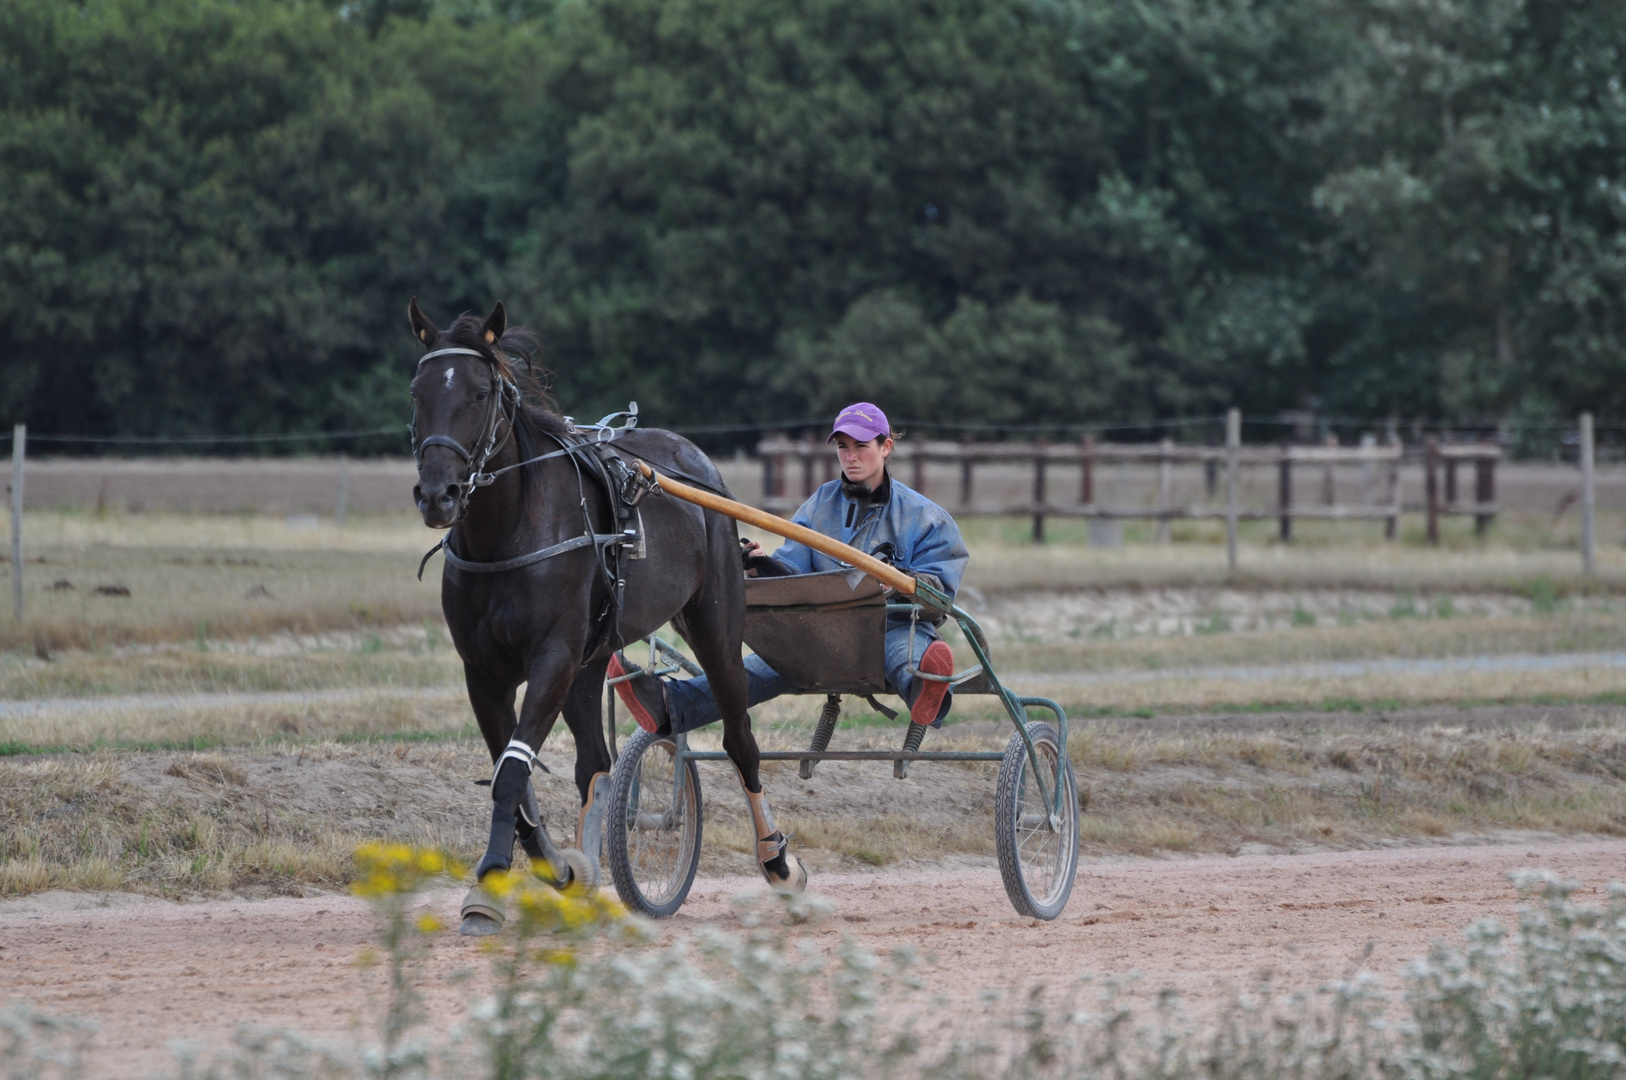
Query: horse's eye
x=482 y=395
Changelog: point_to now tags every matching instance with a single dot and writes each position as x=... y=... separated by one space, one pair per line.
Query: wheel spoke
x=1039 y=848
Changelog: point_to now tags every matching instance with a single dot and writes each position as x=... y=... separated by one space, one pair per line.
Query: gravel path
x=150 y=971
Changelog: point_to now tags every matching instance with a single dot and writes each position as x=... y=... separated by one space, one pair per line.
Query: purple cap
x=862 y=421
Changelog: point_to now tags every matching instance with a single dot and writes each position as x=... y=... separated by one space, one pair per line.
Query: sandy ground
x=148 y=972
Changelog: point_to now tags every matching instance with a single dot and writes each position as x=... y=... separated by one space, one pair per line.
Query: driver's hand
x=749 y=549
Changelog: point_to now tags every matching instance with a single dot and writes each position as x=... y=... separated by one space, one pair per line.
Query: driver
x=868 y=509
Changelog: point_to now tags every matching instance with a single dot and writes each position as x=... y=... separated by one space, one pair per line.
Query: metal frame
x=664 y=659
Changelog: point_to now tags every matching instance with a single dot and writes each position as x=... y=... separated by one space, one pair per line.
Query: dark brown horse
x=536 y=592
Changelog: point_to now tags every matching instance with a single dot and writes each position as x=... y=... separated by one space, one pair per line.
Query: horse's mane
x=537 y=422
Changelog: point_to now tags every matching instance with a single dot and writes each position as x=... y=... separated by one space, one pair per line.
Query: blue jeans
x=689 y=704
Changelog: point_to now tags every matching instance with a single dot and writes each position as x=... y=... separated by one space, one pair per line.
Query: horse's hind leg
x=716 y=636
x=584 y=716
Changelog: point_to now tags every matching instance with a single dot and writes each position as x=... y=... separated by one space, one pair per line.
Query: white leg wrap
x=520 y=752
x=770 y=842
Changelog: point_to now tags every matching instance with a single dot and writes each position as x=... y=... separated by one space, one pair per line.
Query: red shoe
x=642 y=694
x=937 y=660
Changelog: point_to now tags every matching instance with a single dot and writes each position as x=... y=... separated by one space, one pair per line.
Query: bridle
x=504 y=396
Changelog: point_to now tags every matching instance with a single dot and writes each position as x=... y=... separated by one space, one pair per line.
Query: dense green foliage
x=212 y=212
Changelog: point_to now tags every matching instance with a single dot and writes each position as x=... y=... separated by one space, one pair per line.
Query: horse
x=535 y=591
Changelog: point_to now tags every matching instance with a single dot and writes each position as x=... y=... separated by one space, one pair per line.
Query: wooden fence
x=813 y=463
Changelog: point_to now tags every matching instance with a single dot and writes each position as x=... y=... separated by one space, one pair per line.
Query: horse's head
x=460 y=409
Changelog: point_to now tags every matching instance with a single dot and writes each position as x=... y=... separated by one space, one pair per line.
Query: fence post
x=1086 y=480
x=1484 y=490
x=1329 y=476
x=1450 y=483
x=1391 y=524
x=1369 y=445
x=918 y=452
x=1588 y=499
x=1431 y=486
x=341 y=502
x=805 y=447
x=773 y=466
x=966 y=463
x=19 y=451
x=1038 y=491
x=1165 y=484
x=1284 y=496
x=1233 y=447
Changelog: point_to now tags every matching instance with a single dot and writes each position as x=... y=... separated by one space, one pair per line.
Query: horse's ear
x=496 y=323
x=422 y=328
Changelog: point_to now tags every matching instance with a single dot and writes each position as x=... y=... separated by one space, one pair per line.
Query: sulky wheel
x=1038 y=854
x=653 y=839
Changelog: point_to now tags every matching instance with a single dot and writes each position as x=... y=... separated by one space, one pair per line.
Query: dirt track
x=149 y=972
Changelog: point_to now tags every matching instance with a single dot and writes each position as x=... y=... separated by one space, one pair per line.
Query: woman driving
x=870 y=510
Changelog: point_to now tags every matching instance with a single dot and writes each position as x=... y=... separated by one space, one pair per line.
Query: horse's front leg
x=514 y=811
x=492 y=700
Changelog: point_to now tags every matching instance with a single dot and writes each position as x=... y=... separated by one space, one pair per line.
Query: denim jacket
x=923 y=538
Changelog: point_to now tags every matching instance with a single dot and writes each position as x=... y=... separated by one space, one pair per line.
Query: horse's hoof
x=477 y=925
x=795 y=881
x=578 y=871
x=482 y=914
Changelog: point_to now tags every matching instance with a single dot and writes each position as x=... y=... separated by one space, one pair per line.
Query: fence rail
x=782 y=457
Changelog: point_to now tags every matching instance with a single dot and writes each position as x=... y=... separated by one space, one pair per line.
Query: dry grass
x=282 y=820
x=233 y=576
x=354 y=648
x=1519 y=551
x=402 y=657
x=92 y=584
x=1222 y=792
x=179 y=722
x=1135 y=693
x=270 y=823
x=1409 y=638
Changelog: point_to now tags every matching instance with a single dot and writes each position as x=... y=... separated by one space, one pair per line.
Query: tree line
x=213 y=212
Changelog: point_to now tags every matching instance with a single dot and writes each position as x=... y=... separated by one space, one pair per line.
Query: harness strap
x=446 y=441
x=585 y=540
x=457 y=351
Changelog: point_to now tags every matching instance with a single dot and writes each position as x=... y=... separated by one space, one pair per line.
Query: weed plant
x=582 y=990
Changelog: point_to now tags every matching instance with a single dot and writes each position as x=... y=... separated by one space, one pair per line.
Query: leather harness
x=593 y=449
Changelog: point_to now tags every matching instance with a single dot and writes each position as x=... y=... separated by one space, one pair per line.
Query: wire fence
x=1521 y=440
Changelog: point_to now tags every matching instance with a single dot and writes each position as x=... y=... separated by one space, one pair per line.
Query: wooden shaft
x=875 y=568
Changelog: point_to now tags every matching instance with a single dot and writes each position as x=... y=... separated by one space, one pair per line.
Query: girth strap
x=585 y=540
